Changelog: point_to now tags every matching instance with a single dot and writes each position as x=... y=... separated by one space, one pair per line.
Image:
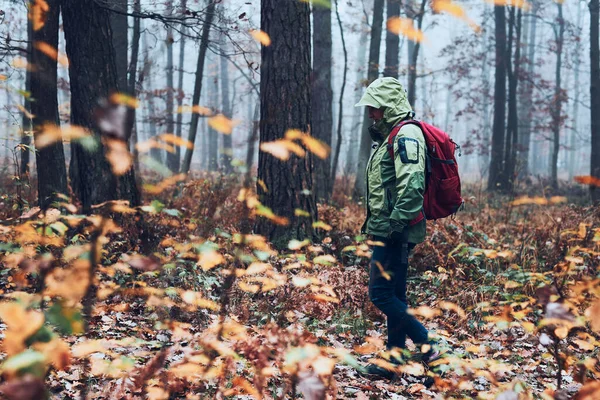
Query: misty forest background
x=182 y=186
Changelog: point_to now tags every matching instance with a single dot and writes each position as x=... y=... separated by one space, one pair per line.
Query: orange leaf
x=221 y=123
x=175 y=140
x=454 y=9
x=125 y=99
x=316 y=147
x=588 y=180
x=404 y=26
x=52 y=53
x=261 y=37
x=118 y=156
x=37 y=14
x=277 y=148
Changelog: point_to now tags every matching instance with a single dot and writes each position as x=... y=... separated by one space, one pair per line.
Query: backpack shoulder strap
x=394 y=133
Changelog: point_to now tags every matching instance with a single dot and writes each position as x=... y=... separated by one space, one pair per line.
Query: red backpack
x=442 y=183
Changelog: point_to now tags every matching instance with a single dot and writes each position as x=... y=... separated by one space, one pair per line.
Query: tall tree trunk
x=150 y=120
x=172 y=159
x=213 y=135
x=26 y=131
x=338 y=146
x=118 y=24
x=595 y=97
x=526 y=97
x=227 y=152
x=484 y=161
x=573 y=149
x=322 y=98
x=558 y=96
x=512 y=131
x=50 y=160
x=355 y=131
x=285 y=85
x=414 y=57
x=498 y=129
x=132 y=81
x=93 y=75
x=126 y=184
x=392 y=42
x=180 y=91
x=372 y=74
x=210 y=14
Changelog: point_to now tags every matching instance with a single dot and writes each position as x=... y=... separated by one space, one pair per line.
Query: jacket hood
x=389 y=94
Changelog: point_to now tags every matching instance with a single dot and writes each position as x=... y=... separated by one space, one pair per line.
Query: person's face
x=375 y=114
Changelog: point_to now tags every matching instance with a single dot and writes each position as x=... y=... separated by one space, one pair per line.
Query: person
x=395 y=189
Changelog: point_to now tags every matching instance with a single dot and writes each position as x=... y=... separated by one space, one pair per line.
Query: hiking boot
x=373 y=369
x=431 y=356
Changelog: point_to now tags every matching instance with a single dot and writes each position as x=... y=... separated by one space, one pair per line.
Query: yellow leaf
x=425 y=312
x=593 y=315
x=196 y=299
x=51 y=133
x=246 y=287
x=210 y=259
x=118 y=156
x=323 y=365
x=166 y=183
x=51 y=52
x=146 y=146
x=404 y=26
x=277 y=149
x=197 y=109
x=582 y=231
x=383 y=272
x=301 y=213
x=511 y=285
x=221 y=123
x=124 y=99
x=446 y=305
x=25 y=112
x=584 y=345
x=3 y=77
x=175 y=140
x=316 y=147
x=86 y=348
x=297 y=245
x=325 y=298
x=561 y=332
x=325 y=259
x=454 y=9
x=261 y=37
x=37 y=14
x=558 y=199
x=69 y=283
x=321 y=225
x=257 y=268
x=515 y=3
x=413 y=369
x=20 y=62
x=21 y=324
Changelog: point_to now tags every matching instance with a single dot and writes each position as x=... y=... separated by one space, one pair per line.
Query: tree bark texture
x=172 y=160
x=213 y=135
x=25 y=132
x=392 y=42
x=210 y=14
x=513 y=70
x=499 y=124
x=132 y=83
x=227 y=151
x=595 y=97
x=180 y=91
x=93 y=76
x=372 y=74
x=285 y=92
x=558 y=96
x=322 y=98
x=50 y=160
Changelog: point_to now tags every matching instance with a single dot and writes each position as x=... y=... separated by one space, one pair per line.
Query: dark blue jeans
x=388 y=292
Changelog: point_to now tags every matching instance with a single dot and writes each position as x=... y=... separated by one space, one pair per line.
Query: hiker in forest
x=395 y=221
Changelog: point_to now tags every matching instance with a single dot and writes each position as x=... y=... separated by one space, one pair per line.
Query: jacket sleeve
x=409 y=163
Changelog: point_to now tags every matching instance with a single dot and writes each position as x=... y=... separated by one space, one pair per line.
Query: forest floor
x=508 y=288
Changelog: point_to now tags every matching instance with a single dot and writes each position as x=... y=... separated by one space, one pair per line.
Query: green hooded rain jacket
x=395 y=188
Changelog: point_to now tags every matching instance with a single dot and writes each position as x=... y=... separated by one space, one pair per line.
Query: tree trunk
x=285 y=92
x=340 y=102
x=213 y=135
x=595 y=97
x=392 y=42
x=27 y=126
x=498 y=129
x=353 y=145
x=132 y=81
x=172 y=159
x=93 y=76
x=227 y=152
x=372 y=74
x=526 y=97
x=50 y=160
x=558 y=96
x=414 y=57
x=512 y=131
x=118 y=24
x=180 y=91
x=210 y=14
x=322 y=98
x=573 y=148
